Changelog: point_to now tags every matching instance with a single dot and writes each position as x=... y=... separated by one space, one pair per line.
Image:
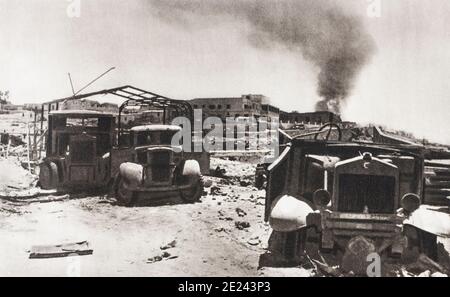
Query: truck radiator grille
x=161 y=166
x=356 y=192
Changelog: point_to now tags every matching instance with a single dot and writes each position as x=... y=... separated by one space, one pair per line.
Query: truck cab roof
x=81 y=113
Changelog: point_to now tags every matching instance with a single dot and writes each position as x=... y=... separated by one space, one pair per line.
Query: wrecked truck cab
x=156 y=167
x=78 y=146
x=349 y=193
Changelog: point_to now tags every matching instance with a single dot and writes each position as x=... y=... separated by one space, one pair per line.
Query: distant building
x=80 y=104
x=240 y=108
x=223 y=107
x=108 y=107
x=269 y=111
x=316 y=118
x=8 y=106
x=32 y=106
x=348 y=125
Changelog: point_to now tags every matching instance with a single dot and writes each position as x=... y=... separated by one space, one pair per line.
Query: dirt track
x=208 y=242
x=223 y=235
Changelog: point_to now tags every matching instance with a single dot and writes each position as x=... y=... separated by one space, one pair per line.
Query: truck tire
x=424 y=241
x=428 y=244
x=194 y=193
x=48 y=175
x=287 y=247
x=124 y=196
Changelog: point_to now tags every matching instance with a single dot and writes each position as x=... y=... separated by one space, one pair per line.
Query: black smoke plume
x=334 y=40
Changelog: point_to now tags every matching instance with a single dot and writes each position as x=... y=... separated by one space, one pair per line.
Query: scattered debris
x=406 y=273
x=207 y=183
x=154 y=259
x=60 y=250
x=241 y=225
x=172 y=257
x=215 y=190
x=426 y=273
x=52 y=198
x=10 y=210
x=218 y=172
x=240 y=212
x=170 y=245
x=424 y=263
x=326 y=269
x=438 y=274
x=164 y=256
x=254 y=241
x=243 y=167
x=244 y=183
x=26 y=195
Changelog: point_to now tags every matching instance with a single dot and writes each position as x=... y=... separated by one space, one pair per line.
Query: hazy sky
x=404 y=86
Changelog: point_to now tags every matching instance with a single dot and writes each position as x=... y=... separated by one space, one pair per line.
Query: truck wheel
x=124 y=196
x=428 y=244
x=48 y=176
x=194 y=193
x=287 y=247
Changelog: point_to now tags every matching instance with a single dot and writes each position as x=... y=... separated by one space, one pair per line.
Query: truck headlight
x=410 y=202
x=321 y=198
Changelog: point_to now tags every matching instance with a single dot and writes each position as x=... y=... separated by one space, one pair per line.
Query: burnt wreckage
x=78 y=147
x=91 y=149
x=146 y=162
x=350 y=196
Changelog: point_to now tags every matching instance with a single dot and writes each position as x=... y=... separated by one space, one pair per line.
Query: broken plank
x=60 y=250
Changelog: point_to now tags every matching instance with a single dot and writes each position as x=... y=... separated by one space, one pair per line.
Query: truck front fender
x=289 y=214
x=430 y=220
x=191 y=168
x=131 y=173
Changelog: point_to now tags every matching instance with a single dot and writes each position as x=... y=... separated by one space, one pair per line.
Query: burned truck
x=146 y=163
x=156 y=167
x=86 y=148
x=78 y=146
x=348 y=197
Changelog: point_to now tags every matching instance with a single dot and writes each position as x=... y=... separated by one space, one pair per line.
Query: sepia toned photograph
x=252 y=139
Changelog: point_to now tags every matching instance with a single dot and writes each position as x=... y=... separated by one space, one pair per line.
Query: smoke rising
x=333 y=40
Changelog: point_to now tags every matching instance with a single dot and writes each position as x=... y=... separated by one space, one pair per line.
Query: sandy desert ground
x=223 y=235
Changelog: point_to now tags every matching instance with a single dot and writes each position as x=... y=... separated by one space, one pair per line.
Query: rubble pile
x=333 y=264
x=239 y=204
x=13 y=177
x=231 y=167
